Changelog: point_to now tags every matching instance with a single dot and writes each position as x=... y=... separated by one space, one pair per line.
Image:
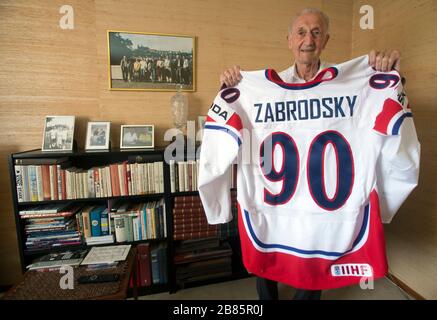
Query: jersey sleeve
x=220 y=146
x=398 y=164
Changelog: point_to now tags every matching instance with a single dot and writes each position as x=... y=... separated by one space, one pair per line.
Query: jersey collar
x=326 y=74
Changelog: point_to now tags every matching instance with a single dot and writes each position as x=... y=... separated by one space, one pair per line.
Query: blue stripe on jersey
x=311 y=252
x=230 y=132
x=397 y=125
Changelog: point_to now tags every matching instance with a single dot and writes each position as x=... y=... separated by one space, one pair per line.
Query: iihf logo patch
x=351 y=270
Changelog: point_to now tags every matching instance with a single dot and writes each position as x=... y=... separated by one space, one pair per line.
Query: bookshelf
x=88 y=160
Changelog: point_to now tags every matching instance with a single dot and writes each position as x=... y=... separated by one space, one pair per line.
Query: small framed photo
x=58 y=133
x=97 y=135
x=137 y=136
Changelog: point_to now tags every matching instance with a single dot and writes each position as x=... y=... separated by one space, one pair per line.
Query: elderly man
x=307 y=37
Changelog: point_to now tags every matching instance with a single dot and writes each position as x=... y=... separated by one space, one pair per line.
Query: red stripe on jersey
x=315 y=273
x=209 y=119
x=390 y=108
x=235 y=122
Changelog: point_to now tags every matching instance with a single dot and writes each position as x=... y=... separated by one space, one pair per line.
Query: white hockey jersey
x=320 y=166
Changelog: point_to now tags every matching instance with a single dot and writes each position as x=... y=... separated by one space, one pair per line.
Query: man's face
x=308 y=38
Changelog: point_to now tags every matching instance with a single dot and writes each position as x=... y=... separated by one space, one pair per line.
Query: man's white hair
x=325 y=18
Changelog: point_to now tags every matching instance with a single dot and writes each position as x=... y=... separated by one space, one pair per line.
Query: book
x=58 y=259
x=106 y=254
x=99 y=240
x=87 y=221
x=19 y=182
x=144 y=272
x=120 y=229
x=95 y=220
x=104 y=222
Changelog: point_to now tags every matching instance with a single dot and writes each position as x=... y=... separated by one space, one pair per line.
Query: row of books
x=122 y=222
x=151 y=265
x=51 y=226
x=96 y=258
x=190 y=222
x=138 y=221
x=202 y=259
x=184 y=175
x=58 y=180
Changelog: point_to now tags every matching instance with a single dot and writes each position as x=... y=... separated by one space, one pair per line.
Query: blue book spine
x=155 y=266
x=95 y=223
x=144 y=213
x=104 y=225
x=163 y=264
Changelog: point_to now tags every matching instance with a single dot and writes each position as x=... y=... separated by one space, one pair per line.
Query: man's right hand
x=231 y=77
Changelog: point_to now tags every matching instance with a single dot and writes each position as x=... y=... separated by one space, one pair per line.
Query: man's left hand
x=385 y=60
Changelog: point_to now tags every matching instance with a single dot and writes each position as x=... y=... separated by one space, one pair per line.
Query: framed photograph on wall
x=98 y=135
x=137 y=136
x=151 y=61
x=58 y=133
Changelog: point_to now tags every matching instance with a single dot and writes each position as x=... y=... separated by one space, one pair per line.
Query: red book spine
x=45 y=171
x=115 y=185
x=63 y=185
x=129 y=179
x=55 y=182
x=144 y=274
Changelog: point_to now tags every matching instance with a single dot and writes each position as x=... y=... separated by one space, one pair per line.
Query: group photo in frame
x=58 y=133
x=98 y=135
x=137 y=136
x=151 y=61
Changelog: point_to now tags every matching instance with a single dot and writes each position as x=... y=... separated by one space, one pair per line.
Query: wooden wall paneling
x=410 y=27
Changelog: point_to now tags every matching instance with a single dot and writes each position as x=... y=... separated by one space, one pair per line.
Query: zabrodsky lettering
x=307 y=109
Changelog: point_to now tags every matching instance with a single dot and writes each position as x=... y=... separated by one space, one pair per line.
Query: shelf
x=37 y=153
x=191 y=193
x=55 y=249
x=185 y=193
x=85 y=246
x=136 y=197
x=88 y=159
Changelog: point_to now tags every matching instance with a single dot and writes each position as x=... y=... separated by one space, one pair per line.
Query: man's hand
x=231 y=77
x=385 y=60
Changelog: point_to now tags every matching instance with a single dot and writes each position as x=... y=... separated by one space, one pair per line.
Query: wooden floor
x=245 y=289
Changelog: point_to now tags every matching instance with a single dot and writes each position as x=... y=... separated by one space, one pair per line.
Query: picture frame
x=58 y=133
x=137 y=136
x=151 y=61
x=98 y=135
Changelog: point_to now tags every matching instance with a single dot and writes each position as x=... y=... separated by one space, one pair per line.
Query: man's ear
x=326 y=41
x=289 y=40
